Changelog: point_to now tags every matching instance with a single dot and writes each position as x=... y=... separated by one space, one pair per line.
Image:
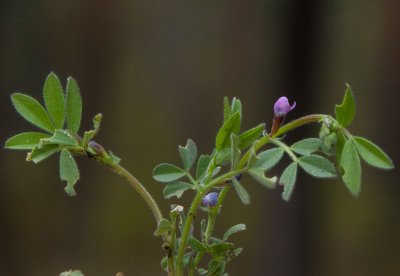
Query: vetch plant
x=209 y=177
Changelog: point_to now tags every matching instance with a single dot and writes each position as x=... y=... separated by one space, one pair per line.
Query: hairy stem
x=197 y=200
x=192 y=213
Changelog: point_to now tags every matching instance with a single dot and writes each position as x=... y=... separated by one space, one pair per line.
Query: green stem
x=314 y=118
x=185 y=233
x=242 y=163
x=285 y=148
x=192 y=213
x=138 y=187
x=192 y=180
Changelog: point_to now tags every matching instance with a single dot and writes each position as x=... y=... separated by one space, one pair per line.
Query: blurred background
x=158 y=71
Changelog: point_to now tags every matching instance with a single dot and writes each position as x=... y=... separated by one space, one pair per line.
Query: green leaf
x=163 y=226
x=73 y=106
x=38 y=154
x=167 y=173
x=288 y=180
x=202 y=271
x=196 y=245
x=202 y=165
x=248 y=137
x=216 y=266
x=234 y=229
x=203 y=229
x=164 y=263
x=306 y=146
x=345 y=112
x=242 y=193
x=259 y=175
x=25 y=141
x=267 y=159
x=236 y=107
x=341 y=140
x=32 y=111
x=372 y=154
x=227 y=109
x=68 y=171
x=114 y=159
x=90 y=134
x=176 y=189
x=187 y=259
x=60 y=137
x=317 y=166
x=54 y=99
x=223 y=156
x=235 y=152
x=72 y=273
x=232 y=125
x=220 y=248
x=351 y=166
x=188 y=154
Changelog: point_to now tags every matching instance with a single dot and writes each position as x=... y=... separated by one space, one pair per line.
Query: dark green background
x=158 y=71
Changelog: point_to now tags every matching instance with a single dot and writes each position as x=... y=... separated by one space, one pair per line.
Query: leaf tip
x=70 y=191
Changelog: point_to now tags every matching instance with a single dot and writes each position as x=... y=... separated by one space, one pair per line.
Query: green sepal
x=345 y=112
x=188 y=154
x=163 y=226
x=73 y=105
x=32 y=111
x=317 y=166
x=306 y=146
x=167 y=172
x=176 y=189
x=54 y=100
x=25 y=141
x=242 y=193
x=372 y=154
x=351 y=168
x=234 y=229
x=288 y=180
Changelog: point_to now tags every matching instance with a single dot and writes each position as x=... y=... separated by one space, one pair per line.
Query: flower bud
x=282 y=107
x=210 y=200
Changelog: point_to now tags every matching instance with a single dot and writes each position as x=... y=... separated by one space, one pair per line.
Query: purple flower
x=210 y=200
x=282 y=107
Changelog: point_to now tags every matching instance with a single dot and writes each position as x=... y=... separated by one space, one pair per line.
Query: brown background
x=158 y=71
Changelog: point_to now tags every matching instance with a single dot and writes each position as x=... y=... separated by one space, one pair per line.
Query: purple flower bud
x=210 y=200
x=282 y=107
